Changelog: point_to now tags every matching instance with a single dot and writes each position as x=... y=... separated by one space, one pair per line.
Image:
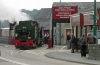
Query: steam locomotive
x=28 y=34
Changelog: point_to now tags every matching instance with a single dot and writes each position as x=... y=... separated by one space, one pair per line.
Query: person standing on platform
x=45 y=38
x=83 y=46
x=47 y=35
x=90 y=40
x=73 y=41
x=68 y=41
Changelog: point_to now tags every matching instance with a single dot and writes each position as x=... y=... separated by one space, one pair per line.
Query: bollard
x=49 y=43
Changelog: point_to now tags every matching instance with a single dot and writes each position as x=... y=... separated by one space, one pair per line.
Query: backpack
x=73 y=40
x=83 y=41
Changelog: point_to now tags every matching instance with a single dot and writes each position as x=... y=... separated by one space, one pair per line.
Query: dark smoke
x=30 y=14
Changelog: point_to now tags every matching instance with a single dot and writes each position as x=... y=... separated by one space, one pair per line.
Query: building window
x=91 y=27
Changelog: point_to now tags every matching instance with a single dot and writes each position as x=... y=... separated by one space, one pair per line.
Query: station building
x=60 y=25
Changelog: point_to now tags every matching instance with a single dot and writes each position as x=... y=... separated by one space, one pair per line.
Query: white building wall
x=62 y=34
x=5 y=32
x=64 y=26
x=58 y=34
x=50 y=26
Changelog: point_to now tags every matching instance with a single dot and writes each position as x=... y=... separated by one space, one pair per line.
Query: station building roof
x=43 y=16
x=4 y=28
x=82 y=6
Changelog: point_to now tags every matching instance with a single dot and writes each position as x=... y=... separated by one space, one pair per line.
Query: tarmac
x=66 y=55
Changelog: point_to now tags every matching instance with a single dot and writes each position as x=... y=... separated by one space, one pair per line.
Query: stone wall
x=94 y=51
x=4 y=40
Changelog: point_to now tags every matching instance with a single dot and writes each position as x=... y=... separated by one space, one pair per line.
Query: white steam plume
x=7 y=13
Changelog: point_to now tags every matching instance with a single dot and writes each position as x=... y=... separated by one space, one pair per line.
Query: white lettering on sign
x=61 y=12
x=64 y=9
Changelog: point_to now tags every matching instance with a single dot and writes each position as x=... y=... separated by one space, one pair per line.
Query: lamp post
x=95 y=26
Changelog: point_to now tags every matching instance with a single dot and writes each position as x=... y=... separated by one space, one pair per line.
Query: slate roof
x=43 y=17
x=82 y=6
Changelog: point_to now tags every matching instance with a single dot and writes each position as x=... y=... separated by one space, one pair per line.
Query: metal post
x=76 y=38
x=81 y=31
x=60 y=0
x=95 y=27
x=86 y=30
x=0 y=53
x=0 y=24
x=52 y=34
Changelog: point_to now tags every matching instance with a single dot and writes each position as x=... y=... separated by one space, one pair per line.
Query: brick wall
x=94 y=51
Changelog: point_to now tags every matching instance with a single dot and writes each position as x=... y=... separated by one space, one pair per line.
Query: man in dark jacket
x=73 y=43
x=68 y=41
x=83 y=46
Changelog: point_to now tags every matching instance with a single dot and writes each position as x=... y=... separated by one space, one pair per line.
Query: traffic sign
x=92 y=17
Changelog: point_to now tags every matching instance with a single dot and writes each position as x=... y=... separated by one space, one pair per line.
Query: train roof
x=27 y=21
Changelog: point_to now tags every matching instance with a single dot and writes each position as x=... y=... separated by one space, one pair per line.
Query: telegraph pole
x=94 y=25
x=60 y=0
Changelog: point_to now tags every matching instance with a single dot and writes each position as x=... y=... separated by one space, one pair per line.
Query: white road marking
x=12 y=53
x=29 y=51
x=62 y=47
x=13 y=61
x=43 y=53
x=6 y=46
x=35 y=53
x=61 y=50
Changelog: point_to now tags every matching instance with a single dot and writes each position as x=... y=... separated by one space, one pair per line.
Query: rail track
x=17 y=54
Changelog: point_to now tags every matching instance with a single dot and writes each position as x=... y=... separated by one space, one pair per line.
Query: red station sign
x=63 y=12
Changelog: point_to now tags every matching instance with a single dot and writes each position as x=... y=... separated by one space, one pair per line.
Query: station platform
x=66 y=55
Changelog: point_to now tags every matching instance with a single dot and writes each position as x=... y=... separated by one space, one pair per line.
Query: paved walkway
x=66 y=55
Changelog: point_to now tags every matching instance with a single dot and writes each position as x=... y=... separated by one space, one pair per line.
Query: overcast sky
x=9 y=9
x=35 y=4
